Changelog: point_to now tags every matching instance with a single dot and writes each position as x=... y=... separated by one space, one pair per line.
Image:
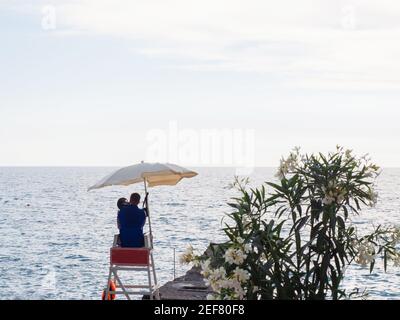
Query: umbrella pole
x=148 y=213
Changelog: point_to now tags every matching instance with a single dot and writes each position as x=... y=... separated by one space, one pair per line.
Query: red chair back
x=130 y=256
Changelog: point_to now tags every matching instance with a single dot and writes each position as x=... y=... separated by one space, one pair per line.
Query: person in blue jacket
x=131 y=221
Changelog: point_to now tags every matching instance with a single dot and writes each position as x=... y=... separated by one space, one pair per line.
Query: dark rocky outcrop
x=189 y=287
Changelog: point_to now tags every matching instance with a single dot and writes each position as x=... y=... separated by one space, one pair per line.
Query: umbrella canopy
x=155 y=174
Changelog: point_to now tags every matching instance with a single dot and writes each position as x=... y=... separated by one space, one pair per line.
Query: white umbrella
x=151 y=174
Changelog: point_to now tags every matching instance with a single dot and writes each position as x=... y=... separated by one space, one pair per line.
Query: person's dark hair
x=135 y=198
x=121 y=202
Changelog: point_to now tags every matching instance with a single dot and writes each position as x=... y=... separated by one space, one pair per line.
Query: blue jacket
x=131 y=221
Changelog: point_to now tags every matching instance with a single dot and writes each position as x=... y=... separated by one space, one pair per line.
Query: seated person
x=131 y=221
x=120 y=203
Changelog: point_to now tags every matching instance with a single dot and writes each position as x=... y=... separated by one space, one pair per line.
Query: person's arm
x=118 y=222
x=144 y=217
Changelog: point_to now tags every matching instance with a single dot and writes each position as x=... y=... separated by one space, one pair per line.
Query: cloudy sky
x=85 y=82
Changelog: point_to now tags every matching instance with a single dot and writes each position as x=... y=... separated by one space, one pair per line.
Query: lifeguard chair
x=128 y=260
x=141 y=259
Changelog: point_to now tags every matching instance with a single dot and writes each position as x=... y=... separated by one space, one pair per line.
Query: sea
x=55 y=236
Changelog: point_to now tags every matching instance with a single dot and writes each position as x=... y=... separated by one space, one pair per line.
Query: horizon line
x=118 y=166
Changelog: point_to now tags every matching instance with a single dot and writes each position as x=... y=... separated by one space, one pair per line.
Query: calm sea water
x=55 y=236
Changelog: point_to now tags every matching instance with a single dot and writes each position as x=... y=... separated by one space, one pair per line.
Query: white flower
x=328 y=200
x=395 y=258
x=366 y=253
x=340 y=198
x=196 y=262
x=206 y=270
x=238 y=291
x=396 y=235
x=235 y=256
x=289 y=164
x=241 y=275
x=215 y=276
x=220 y=273
x=247 y=248
x=188 y=256
x=263 y=257
x=333 y=194
x=283 y=170
x=365 y=259
x=227 y=288
x=239 y=240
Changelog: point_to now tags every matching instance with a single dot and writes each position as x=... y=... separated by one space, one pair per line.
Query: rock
x=189 y=287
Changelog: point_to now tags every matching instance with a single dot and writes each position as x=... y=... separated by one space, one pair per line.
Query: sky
x=96 y=82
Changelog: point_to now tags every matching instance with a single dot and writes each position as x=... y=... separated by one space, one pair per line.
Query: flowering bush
x=295 y=241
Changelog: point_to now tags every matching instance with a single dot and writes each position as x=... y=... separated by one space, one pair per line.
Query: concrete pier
x=191 y=286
